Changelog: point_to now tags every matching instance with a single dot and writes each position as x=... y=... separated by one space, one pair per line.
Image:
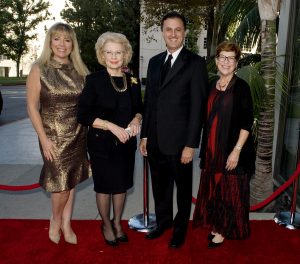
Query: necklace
x=116 y=88
x=222 y=85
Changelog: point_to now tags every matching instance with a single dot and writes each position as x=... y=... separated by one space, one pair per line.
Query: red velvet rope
x=19 y=188
x=274 y=194
x=252 y=208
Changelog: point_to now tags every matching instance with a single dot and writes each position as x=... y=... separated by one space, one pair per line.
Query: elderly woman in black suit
x=227 y=154
x=111 y=106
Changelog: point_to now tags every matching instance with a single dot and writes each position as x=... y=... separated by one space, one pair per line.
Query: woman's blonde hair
x=75 y=57
x=115 y=38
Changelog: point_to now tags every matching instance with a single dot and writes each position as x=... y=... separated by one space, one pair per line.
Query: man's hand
x=143 y=147
x=187 y=155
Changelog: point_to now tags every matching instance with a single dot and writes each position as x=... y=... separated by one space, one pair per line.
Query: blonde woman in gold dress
x=53 y=88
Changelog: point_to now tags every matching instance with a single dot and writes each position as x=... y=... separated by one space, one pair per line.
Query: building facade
x=7 y=67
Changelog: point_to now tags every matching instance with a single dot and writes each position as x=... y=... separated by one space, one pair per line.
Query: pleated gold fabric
x=60 y=89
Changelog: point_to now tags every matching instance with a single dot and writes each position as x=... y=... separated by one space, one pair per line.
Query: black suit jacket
x=98 y=99
x=174 y=109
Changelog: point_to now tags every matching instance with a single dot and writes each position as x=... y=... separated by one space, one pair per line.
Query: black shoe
x=210 y=236
x=212 y=244
x=122 y=238
x=157 y=232
x=112 y=243
x=177 y=240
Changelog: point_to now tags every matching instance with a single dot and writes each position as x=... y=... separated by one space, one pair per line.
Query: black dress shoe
x=177 y=240
x=212 y=244
x=157 y=232
x=112 y=243
x=210 y=236
x=122 y=238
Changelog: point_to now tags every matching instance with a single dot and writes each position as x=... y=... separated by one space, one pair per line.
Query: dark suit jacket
x=174 y=109
x=98 y=99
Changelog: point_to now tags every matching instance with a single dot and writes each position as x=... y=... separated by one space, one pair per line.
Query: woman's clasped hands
x=133 y=129
x=124 y=134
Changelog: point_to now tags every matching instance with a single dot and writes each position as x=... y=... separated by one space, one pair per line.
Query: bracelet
x=238 y=147
x=104 y=124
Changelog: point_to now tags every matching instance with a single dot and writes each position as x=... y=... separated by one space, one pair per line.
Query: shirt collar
x=174 y=55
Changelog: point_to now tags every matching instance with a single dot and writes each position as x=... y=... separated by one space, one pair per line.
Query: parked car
x=1 y=102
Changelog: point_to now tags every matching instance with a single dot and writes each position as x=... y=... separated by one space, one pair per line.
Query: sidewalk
x=21 y=162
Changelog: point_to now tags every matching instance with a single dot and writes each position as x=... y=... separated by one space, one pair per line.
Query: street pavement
x=21 y=162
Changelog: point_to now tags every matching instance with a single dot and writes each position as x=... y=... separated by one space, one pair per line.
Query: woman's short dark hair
x=173 y=14
x=229 y=46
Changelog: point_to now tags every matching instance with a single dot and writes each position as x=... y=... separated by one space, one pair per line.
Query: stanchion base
x=284 y=219
x=137 y=223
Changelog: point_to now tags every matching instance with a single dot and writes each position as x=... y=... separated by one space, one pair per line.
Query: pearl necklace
x=116 y=88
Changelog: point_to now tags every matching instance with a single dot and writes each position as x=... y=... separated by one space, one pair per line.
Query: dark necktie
x=166 y=68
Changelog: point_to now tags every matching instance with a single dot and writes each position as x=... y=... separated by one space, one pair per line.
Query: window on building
x=205 y=43
x=3 y=57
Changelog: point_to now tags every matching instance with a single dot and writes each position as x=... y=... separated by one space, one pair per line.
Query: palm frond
x=258 y=92
x=248 y=32
x=235 y=10
x=249 y=59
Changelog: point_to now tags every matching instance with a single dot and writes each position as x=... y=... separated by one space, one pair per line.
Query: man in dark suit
x=175 y=99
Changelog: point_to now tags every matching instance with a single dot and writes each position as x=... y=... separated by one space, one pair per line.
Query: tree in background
x=18 y=19
x=154 y=10
x=127 y=22
x=225 y=19
x=92 y=18
x=4 y=20
x=262 y=184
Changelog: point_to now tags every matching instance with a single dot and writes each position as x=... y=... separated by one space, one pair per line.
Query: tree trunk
x=262 y=183
x=210 y=29
x=18 y=68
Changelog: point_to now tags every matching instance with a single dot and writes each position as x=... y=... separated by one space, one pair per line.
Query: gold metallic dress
x=60 y=89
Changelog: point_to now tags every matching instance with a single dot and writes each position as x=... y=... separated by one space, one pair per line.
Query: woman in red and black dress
x=227 y=154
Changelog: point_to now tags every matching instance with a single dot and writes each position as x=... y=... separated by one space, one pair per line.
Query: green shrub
x=12 y=81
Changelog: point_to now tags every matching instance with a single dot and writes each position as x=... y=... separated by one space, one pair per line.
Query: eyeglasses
x=230 y=59
x=110 y=53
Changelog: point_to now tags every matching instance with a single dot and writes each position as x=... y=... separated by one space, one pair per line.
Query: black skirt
x=113 y=174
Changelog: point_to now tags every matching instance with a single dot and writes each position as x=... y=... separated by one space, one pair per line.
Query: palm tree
x=262 y=183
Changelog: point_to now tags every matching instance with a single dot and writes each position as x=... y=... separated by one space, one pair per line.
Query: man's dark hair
x=173 y=14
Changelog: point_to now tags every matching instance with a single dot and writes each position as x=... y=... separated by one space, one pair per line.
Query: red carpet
x=26 y=241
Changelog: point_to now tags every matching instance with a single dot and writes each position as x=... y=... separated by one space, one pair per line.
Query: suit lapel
x=158 y=69
x=178 y=64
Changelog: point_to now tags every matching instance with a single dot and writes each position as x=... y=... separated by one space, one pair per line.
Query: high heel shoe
x=123 y=238
x=212 y=244
x=219 y=240
x=52 y=236
x=71 y=239
x=210 y=236
x=112 y=243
